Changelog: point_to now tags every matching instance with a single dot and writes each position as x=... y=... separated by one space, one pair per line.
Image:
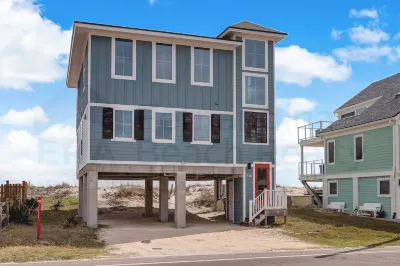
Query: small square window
x=255 y=90
x=201 y=128
x=333 y=188
x=255 y=55
x=123 y=124
x=164 y=127
x=383 y=187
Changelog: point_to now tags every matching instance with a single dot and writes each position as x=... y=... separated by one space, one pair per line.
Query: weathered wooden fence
x=14 y=192
x=4 y=213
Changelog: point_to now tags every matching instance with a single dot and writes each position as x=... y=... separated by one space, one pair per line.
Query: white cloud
x=367 y=54
x=27 y=157
x=335 y=34
x=296 y=65
x=152 y=2
x=364 y=35
x=288 y=151
x=295 y=106
x=364 y=13
x=396 y=36
x=31 y=116
x=59 y=133
x=32 y=48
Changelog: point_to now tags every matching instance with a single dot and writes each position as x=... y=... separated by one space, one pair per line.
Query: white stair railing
x=267 y=200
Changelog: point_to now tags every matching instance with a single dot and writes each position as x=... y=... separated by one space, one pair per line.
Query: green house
x=360 y=164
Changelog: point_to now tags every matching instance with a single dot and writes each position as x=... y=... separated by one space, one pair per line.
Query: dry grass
x=205 y=199
x=129 y=191
x=341 y=230
x=18 y=242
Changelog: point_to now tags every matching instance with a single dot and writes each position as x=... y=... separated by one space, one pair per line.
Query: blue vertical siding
x=238 y=200
x=146 y=150
x=249 y=189
x=143 y=91
x=82 y=97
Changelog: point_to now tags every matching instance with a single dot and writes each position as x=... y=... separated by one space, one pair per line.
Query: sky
x=334 y=49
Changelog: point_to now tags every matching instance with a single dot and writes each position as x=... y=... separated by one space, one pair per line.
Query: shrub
x=57 y=205
x=71 y=201
x=129 y=191
x=31 y=203
x=21 y=215
x=206 y=199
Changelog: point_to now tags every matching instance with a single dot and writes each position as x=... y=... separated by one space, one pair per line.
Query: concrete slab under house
x=154 y=105
x=360 y=168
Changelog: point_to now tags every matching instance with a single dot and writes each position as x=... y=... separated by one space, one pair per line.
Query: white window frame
x=133 y=127
x=334 y=152
x=154 y=139
x=329 y=188
x=244 y=57
x=208 y=84
x=378 y=187
x=362 y=147
x=244 y=104
x=243 y=125
x=154 y=60
x=113 y=46
x=209 y=124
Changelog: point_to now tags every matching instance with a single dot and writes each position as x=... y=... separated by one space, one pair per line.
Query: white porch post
x=301 y=160
x=355 y=193
x=92 y=185
x=163 y=200
x=325 y=192
x=80 y=189
x=148 y=186
x=180 y=200
x=84 y=198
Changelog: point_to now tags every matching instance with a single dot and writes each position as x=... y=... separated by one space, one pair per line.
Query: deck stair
x=316 y=198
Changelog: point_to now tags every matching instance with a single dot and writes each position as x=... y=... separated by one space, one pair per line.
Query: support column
x=180 y=200
x=324 y=192
x=92 y=185
x=80 y=191
x=148 y=201
x=216 y=194
x=301 y=160
x=84 y=198
x=163 y=200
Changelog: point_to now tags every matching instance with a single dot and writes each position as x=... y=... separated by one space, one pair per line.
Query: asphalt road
x=342 y=257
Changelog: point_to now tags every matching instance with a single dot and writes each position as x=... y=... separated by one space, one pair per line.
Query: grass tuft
x=129 y=191
x=205 y=199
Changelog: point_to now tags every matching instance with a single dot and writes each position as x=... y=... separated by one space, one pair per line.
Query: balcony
x=308 y=135
x=311 y=170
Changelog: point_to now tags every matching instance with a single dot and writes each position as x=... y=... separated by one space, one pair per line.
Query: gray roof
x=246 y=25
x=386 y=107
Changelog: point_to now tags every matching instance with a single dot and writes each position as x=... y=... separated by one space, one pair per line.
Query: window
x=350 y=114
x=163 y=127
x=201 y=129
x=255 y=55
x=383 y=187
x=358 y=148
x=255 y=125
x=123 y=125
x=331 y=152
x=164 y=63
x=255 y=90
x=123 y=61
x=332 y=188
x=202 y=66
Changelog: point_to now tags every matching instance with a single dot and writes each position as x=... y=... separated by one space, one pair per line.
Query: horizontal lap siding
x=368 y=193
x=146 y=150
x=378 y=152
x=82 y=161
x=143 y=91
x=345 y=193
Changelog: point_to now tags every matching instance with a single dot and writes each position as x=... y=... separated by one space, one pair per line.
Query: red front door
x=262 y=179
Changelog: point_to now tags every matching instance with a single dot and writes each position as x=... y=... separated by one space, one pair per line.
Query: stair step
x=261 y=218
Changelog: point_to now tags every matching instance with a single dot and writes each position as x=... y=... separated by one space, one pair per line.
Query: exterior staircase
x=317 y=200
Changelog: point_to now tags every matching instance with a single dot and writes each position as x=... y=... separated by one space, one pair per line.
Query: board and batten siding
x=378 y=152
x=82 y=97
x=248 y=153
x=144 y=92
x=146 y=150
x=238 y=200
x=368 y=193
x=345 y=193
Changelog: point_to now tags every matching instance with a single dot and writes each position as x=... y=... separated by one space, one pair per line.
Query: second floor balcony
x=309 y=134
x=311 y=170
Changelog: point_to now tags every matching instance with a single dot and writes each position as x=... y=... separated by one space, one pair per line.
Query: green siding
x=345 y=193
x=368 y=193
x=378 y=152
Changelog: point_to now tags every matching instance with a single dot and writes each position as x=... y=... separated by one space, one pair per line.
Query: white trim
x=133 y=107
x=208 y=142
x=367 y=103
x=89 y=90
x=274 y=114
x=166 y=163
x=248 y=74
x=334 y=152
x=254 y=34
x=329 y=188
x=234 y=107
x=132 y=139
x=244 y=195
x=243 y=129
x=355 y=193
x=359 y=174
x=207 y=84
x=153 y=129
x=115 y=76
x=154 y=60
x=244 y=56
x=357 y=129
x=325 y=200
x=362 y=147
x=378 y=188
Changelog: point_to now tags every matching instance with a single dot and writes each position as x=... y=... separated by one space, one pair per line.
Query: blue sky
x=333 y=50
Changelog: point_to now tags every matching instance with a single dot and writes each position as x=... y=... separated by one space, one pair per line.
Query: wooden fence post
x=7 y=211
x=7 y=190
x=24 y=190
x=1 y=215
x=1 y=193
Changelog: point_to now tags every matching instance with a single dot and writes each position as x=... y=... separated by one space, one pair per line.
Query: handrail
x=267 y=200
x=311 y=130
x=312 y=168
